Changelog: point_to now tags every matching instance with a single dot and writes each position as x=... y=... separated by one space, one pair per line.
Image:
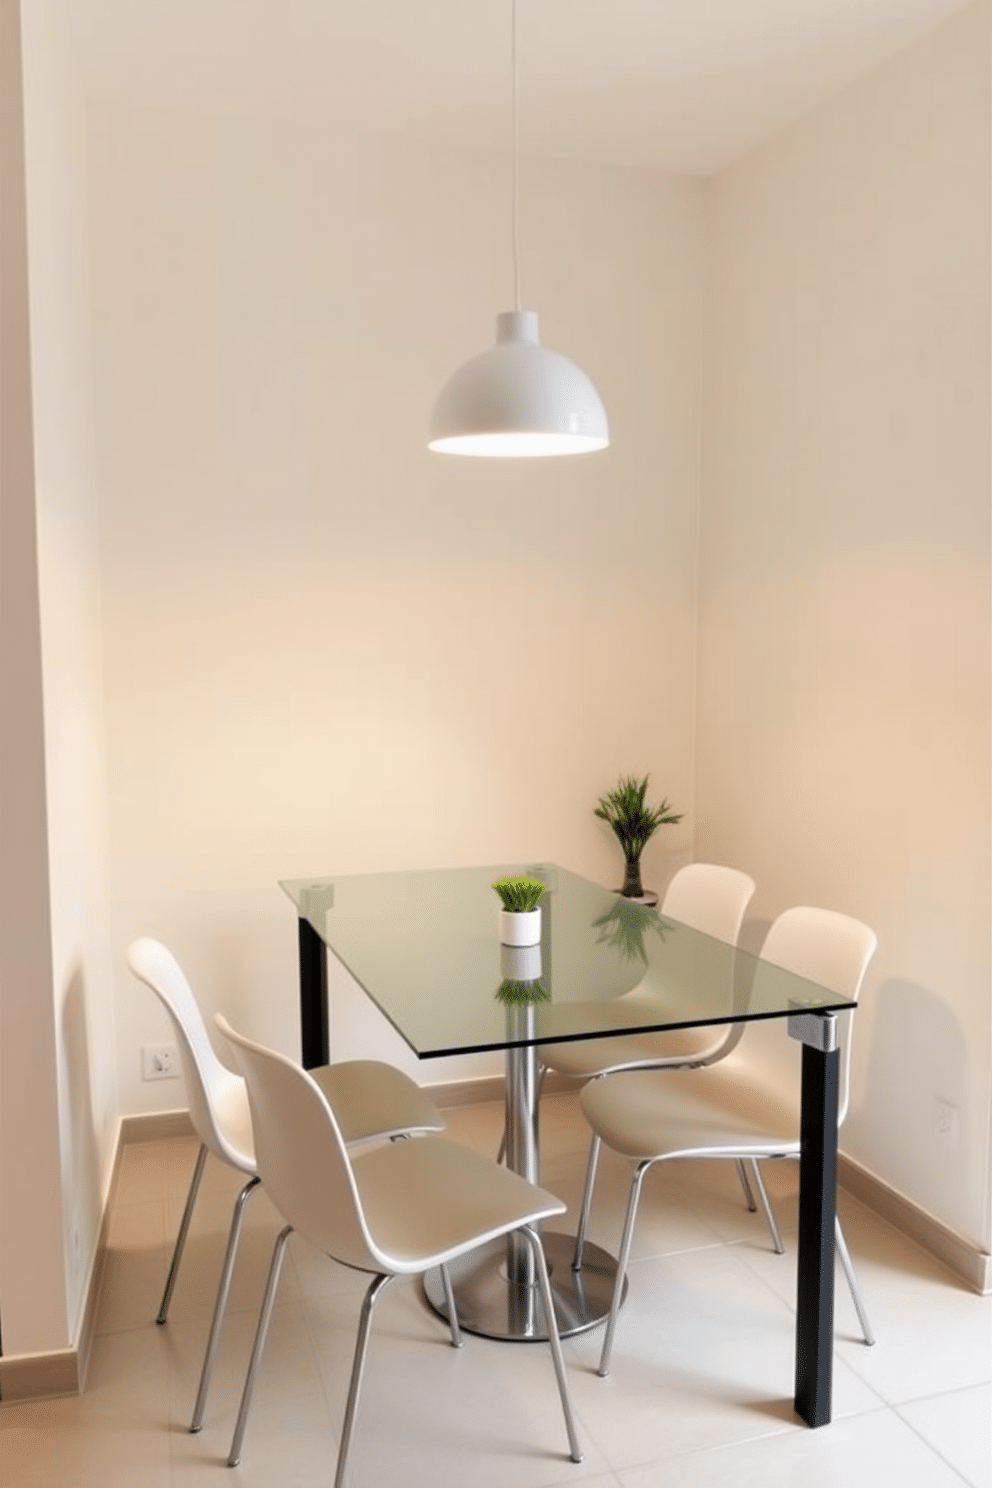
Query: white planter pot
x=520 y=929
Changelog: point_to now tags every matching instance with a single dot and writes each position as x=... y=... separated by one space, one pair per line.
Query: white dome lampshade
x=518 y=399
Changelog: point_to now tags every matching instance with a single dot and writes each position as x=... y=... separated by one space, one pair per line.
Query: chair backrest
x=218 y=1101
x=301 y=1155
x=709 y=898
x=832 y=950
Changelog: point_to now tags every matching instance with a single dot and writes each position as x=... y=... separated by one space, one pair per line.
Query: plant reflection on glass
x=520 y=967
x=521 y=994
x=623 y=926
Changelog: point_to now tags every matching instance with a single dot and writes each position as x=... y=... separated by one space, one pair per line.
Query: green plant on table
x=633 y=822
x=519 y=892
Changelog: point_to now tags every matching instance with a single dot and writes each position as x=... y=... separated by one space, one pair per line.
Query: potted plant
x=633 y=822
x=520 y=917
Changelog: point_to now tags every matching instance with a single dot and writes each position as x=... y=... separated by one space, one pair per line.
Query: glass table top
x=425 y=947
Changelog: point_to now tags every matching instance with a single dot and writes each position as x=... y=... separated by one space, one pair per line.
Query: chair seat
x=585 y=1058
x=373 y=1100
x=462 y=1200
x=697 y=1113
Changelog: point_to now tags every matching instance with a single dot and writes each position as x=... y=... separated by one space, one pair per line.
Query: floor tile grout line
x=788 y=1428
x=930 y=1445
x=784 y=1428
x=985 y=1384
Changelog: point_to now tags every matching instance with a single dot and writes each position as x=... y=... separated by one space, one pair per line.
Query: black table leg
x=313 y=998
x=817 y=1213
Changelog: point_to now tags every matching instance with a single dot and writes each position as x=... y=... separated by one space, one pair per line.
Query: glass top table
x=424 y=945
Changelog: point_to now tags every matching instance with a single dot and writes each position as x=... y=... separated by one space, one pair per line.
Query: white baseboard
x=63 y=1371
x=959 y=1255
x=39 y=1376
x=157 y=1126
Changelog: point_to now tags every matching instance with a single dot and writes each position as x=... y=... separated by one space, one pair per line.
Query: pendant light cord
x=516 y=156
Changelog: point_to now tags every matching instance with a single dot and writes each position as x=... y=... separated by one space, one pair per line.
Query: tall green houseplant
x=624 y=808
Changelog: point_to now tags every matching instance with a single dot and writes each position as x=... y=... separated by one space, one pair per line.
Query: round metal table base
x=491 y=1305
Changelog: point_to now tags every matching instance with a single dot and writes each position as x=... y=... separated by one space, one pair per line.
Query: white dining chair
x=393 y=1210
x=712 y=899
x=374 y=1101
x=720 y=1112
x=706 y=897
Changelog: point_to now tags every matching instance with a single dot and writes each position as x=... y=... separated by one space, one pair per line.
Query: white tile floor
x=699 y=1394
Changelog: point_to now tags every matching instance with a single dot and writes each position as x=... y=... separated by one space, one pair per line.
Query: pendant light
x=518 y=398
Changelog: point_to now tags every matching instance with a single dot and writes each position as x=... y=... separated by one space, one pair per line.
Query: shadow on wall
x=911 y=1119
x=82 y=1178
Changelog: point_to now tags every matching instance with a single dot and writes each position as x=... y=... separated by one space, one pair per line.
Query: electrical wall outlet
x=160 y=1062
x=945 y=1122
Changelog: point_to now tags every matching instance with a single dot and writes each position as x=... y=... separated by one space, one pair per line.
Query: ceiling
x=683 y=85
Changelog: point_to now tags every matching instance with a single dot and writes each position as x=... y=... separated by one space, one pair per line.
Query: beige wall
x=72 y=660
x=32 y=1269
x=58 y=1097
x=844 y=701
x=327 y=649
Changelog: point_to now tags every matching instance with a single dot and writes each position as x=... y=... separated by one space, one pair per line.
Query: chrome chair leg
x=580 y=1233
x=261 y=1332
x=622 y=1259
x=745 y=1185
x=554 y=1340
x=766 y=1208
x=220 y=1306
x=180 y=1246
x=844 y=1256
x=449 y=1300
x=357 y=1370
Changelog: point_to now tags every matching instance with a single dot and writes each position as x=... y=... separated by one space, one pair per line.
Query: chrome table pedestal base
x=492 y=1305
